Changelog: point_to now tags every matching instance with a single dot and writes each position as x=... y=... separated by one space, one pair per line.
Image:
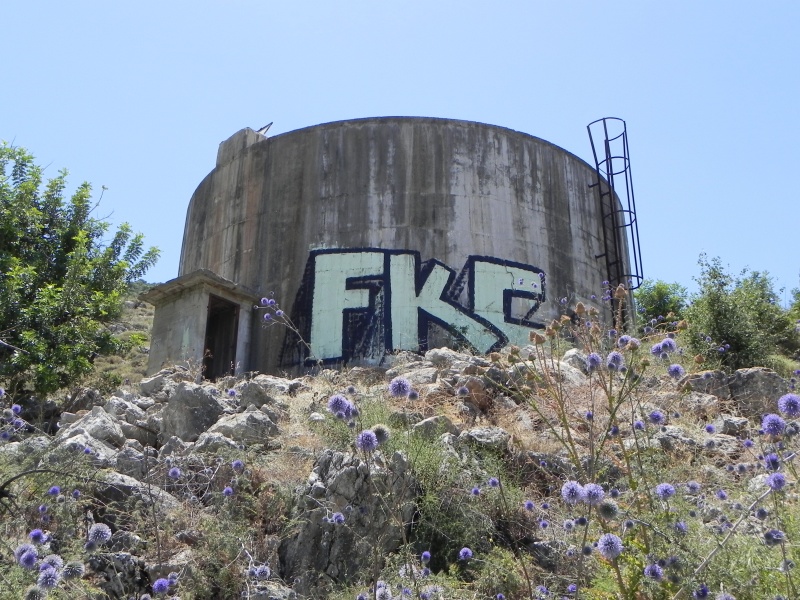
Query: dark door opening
x=219 y=349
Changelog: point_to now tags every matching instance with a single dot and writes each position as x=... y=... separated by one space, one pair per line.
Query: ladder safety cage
x=609 y=139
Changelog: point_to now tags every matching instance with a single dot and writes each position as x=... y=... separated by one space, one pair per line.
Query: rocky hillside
x=526 y=474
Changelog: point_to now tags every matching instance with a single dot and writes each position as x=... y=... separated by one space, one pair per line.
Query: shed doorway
x=222 y=326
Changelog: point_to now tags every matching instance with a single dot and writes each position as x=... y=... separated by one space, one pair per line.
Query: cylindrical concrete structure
x=382 y=234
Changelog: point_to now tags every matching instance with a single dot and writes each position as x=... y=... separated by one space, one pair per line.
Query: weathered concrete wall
x=374 y=199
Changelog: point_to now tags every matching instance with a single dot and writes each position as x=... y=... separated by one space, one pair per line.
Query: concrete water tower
x=385 y=234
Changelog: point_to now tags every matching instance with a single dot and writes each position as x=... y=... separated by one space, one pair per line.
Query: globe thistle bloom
x=73 y=570
x=463 y=391
x=654 y=572
x=99 y=533
x=656 y=350
x=623 y=341
x=789 y=405
x=710 y=428
x=237 y=465
x=657 y=417
x=399 y=387
x=494 y=482
x=337 y=404
x=413 y=395
x=701 y=592
x=572 y=492
x=425 y=557
x=38 y=536
x=593 y=361
x=34 y=592
x=262 y=572
x=593 y=494
x=382 y=433
x=776 y=481
x=161 y=586
x=54 y=491
x=773 y=537
x=668 y=345
x=568 y=525
x=227 y=491
x=609 y=546
x=638 y=425
x=665 y=491
x=608 y=509
x=572 y=588
x=693 y=487
x=54 y=561
x=465 y=554
x=614 y=361
x=476 y=491
x=676 y=371
x=337 y=518
x=48 y=578
x=681 y=527
x=722 y=494
x=772 y=462
x=174 y=473
x=773 y=424
x=367 y=441
x=529 y=505
x=26 y=555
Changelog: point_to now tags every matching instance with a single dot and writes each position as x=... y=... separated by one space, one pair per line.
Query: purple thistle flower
x=614 y=361
x=593 y=494
x=657 y=417
x=38 y=536
x=789 y=405
x=48 y=578
x=174 y=473
x=748 y=443
x=494 y=482
x=593 y=361
x=623 y=340
x=776 y=481
x=465 y=554
x=16 y=409
x=262 y=572
x=337 y=404
x=773 y=537
x=367 y=441
x=54 y=491
x=227 y=492
x=529 y=505
x=638 y=425
x=668 y=345
x=76 y=494
x=73 y=570
x=337 y=518
x=693 y=487
x=710 y=428
x=237 y=465
x=722 y=494
x=681 y=527
x=772 y=424
x=609 y=546
x=28 y=559
x=676 y=371
x=425 y=557
x=654 y=572
x=161 y=586
x=99 y=533
x=772 y=462
x=463 y=391
x=476 y=491
x=572 y=492
x=43 y=508
x=656 y=350
x=399 y=387
x=664 y=490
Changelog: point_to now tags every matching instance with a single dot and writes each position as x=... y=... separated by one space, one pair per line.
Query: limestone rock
x=250 y=427
x=343 y=551
x=97 y=424
x=435 y=426
x=756 y=391
x=492 y=438
x=191 y=410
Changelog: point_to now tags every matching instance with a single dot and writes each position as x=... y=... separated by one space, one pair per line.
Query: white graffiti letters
x=369 y=301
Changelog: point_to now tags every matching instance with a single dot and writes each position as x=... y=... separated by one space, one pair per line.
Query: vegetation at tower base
x=581 y=466
x=738 y=321
x=658 y=299
x=61 y=278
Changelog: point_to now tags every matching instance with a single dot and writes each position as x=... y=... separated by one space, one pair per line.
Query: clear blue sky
x=137 y=97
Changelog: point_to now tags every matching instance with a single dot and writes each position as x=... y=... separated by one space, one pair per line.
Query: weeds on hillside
x=639 y=500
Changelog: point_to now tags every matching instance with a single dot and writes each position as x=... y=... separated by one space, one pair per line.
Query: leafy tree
x=739 y=320
x=659 y=298
x=61 y=282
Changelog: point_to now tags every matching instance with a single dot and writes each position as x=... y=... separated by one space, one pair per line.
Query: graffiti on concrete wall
x=361 y=303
